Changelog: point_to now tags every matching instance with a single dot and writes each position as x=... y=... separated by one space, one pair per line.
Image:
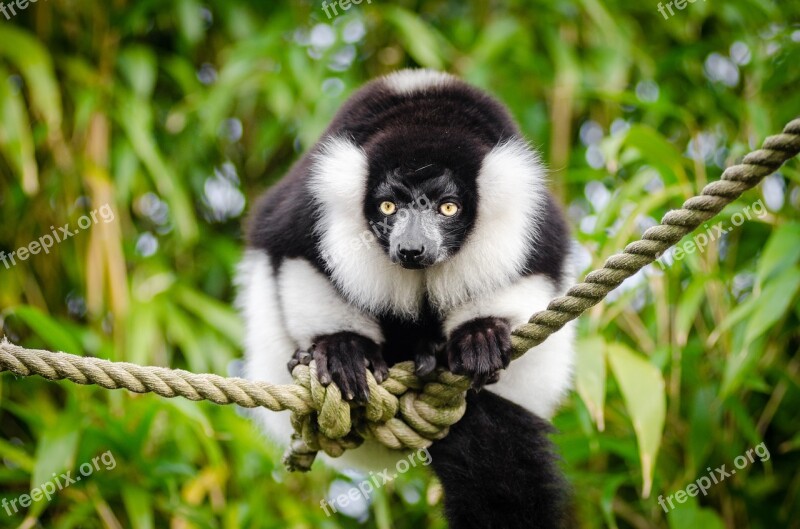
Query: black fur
x=498 y=469
x=412 y=340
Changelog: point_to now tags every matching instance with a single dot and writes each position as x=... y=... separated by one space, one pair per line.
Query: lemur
x=420 y=227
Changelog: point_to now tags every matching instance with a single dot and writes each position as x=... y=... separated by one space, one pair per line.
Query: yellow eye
x=388 y=208
x=448 y=209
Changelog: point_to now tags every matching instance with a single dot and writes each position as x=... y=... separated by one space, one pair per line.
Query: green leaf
x=689 y=514
x=138 y=66
x=590 y=377
x=191 y=20
x=16 y=139
x=766 y=309
x=656 y=150
x=135 y=118
x=48 y=329
x=642 y=387
x=419 y=38
x=35 y=64
x=11 y=453
x=781 y=252
x=690 y=301
x=217 y=315
x=56 y=451
x=139 y=506
x=774 y=302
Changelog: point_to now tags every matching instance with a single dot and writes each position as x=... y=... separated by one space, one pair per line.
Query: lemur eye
x=388 y=208
x=448 y=209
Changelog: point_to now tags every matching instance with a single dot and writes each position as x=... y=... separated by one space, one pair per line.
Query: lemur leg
x=499 y=469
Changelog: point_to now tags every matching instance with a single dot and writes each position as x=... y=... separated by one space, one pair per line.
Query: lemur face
x=421 y=216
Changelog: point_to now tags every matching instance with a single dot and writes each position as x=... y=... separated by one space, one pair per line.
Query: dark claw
x=424 y=365
x=425 y=358
x=480 y=349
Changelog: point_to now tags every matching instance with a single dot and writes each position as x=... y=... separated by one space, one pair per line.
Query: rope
x=404 y=411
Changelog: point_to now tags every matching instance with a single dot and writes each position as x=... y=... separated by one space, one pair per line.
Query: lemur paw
x=479 y=349
x=342 y=357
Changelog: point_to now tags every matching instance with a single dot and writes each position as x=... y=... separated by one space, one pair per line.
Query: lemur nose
x=411 y=255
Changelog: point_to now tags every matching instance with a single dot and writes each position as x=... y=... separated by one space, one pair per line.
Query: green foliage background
x=164 y=109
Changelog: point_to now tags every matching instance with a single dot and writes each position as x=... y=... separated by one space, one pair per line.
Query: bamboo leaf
x=643 y=391
x=16 y=139
x=590 y=377
x=419 y=38
x=33 y=61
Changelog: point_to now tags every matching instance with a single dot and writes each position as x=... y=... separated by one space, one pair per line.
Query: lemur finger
x=455 y=355
x=337 y=371
x=321 y=358
x=304 y=357
x=425 y=358
x=503 y=338
x=300 y=357
x=424 y=364
x=483 y=358
x=379 y=367
x=357 y=371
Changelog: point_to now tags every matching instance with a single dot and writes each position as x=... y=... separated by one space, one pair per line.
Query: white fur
x=312 y=306
x=267 y=346
x=510 y=190
x=357 y=263
x=539 y=380
x=410 y=81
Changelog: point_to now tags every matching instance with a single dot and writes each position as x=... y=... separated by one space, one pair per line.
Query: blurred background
x=177 y=114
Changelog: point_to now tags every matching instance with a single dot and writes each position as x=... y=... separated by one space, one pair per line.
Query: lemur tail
x=499 y=470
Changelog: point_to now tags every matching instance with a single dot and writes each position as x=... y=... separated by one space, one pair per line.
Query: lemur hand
x=479 y=349
x=342 y=358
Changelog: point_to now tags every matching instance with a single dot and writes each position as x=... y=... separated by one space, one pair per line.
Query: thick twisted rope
x=404 y=411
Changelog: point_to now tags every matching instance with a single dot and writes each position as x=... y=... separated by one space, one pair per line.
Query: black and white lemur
x=419 y=227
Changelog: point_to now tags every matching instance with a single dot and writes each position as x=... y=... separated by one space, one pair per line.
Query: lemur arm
x=337 y=335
